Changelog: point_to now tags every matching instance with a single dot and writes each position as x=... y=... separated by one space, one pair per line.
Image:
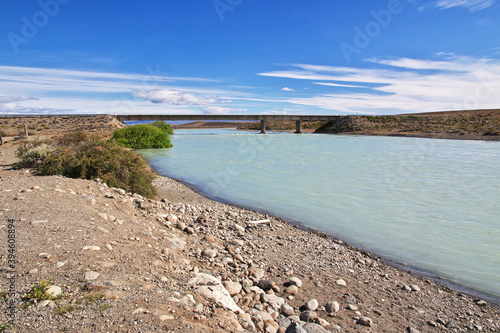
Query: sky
x=248 y=56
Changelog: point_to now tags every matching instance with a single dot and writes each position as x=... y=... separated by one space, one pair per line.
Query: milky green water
x=433 y=204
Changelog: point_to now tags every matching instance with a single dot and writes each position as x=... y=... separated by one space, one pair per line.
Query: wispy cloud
x=472 y=5
x=287 y=89
x=45 y=90
x=402 y=85
x=221 y=110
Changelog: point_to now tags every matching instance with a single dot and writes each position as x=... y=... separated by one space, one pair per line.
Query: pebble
x=431 y=323
x=44 y=255
x=109 y=247
x=209 y=253
x=295 y=328
x=312 y=305
x=481 y=303
x=91 y=248
x=233 y=288
x=91 y=275
x=296 y=281
x=60 y=264
x=414 y=287
x=54 y=291
x=332 y=307
x=308 y=315
x=341 y=282
x=292 y=290
x=210 y=238
x=166 y=317
x=365 y=321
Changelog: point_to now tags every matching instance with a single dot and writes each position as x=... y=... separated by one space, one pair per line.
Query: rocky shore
x=117 y=262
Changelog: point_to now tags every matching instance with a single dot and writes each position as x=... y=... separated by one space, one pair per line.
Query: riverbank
x=127 y=264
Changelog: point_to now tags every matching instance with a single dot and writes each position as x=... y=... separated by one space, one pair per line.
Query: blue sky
x=242 y=56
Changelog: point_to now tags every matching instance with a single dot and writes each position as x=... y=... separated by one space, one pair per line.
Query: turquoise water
x=433 y=204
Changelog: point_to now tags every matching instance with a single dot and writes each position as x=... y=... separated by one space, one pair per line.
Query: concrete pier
x=298 y=126
x=263 y=126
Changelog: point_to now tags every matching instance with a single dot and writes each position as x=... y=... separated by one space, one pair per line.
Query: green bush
x=163 y=126
x=104 y=159
x=34 y=156
x=142 y=137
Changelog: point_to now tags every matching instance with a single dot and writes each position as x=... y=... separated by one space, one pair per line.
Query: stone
x=212 y=289
x=210 y=238
x=308 y=315
x=239 y=228
x=365 y=321
x=287 y=310
x=314 y=328
x=292 y=290
x=209 y=253
x=295 y=328
x=138 y=310
x=91 y=248
x=274 y=301
x=450 y=324
x=60 y=264
x=312 y=305
x=332 y=307
x=414 y=287
x=91 y=275
x=44 y=255
x=352 y=307
x=54 y=291
x=322 y=322
x=265 y=284
x=234 y=288
x=410 y=329
x=431 y=323
x=166 y=317
x=48 y=303
x=341 y=282
x=481 y=303
x=176 y=243
x=296 y=282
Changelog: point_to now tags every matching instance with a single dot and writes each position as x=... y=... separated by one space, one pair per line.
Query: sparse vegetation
x=4 y=326
x=3 y=293
x=105 y=306
x=63 y=309
x=38 y=291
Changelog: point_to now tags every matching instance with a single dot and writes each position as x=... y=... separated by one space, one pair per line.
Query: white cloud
x=12 y=99
x=287 y=89
x=403 y=85
x=173 y=97
x=221 y=110
x=472 y=5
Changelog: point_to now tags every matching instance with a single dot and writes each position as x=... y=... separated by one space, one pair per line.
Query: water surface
x=433 y=204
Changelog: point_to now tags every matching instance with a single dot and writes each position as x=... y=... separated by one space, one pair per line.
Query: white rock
x=103 y=216
x=176 y=242
x=44 y=255
x=341 y=282
x=312 y=304
x=239 y=228
x=54 y=291
x=60 y=263
x=212 y=289
x=138 y=310
x=296 y=281
x=91 y=275
x=91 y=248
x=165 y=317
x=109 y=247
x=106 y=231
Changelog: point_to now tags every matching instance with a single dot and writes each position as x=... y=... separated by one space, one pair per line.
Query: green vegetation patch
x=104 y=159
x=38 y=291
x=144 y=136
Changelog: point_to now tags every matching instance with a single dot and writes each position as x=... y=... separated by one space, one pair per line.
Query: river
x=431 y=204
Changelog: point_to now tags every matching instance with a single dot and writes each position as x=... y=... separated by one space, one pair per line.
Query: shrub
x=142 y=137
x=39 y=291
x=26 y=146
x=163 y=126
x=34 y=157
x=104 y=159
x=73 y=138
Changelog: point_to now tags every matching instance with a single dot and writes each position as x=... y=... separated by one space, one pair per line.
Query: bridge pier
x=263 y=126
x=298 y=126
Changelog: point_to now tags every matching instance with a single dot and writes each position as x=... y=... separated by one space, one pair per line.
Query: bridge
x=245 y=117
